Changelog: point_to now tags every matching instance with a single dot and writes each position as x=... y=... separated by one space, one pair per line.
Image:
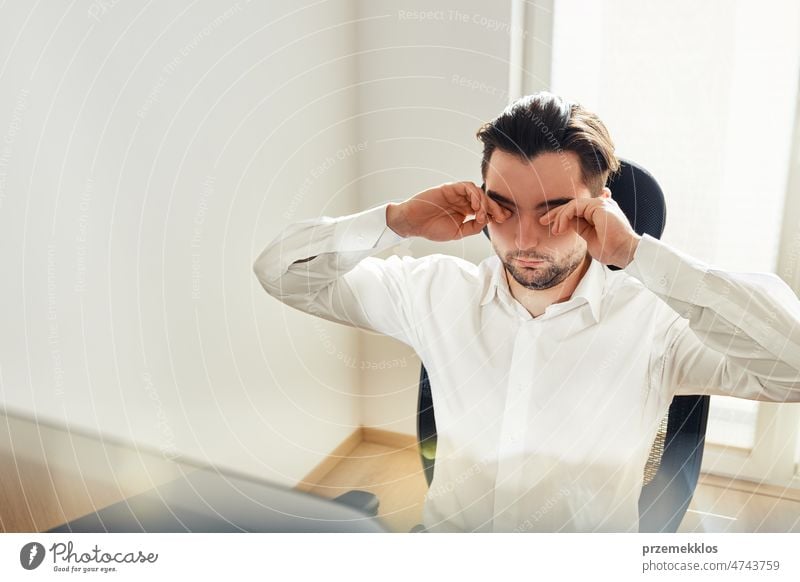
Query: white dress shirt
x=545 y=424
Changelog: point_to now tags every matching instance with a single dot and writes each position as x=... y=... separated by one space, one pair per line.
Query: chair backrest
x=673 y=465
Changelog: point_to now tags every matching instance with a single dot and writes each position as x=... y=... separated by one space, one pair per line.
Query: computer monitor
x=207 y=501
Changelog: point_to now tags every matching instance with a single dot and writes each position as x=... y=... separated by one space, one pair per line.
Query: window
x=702 y=94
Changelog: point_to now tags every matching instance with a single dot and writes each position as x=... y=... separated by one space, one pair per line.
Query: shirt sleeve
x=735 y=334
x=324 y=267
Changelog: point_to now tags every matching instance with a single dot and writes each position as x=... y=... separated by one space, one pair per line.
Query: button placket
x=511 y=447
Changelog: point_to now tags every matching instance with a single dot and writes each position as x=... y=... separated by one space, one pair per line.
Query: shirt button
x=662 y=282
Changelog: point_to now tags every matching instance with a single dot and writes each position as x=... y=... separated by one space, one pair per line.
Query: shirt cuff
x=667 y=271
x=389 y=238
x=365 y=230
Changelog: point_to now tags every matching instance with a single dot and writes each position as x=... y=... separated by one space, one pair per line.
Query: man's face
x=529 y=189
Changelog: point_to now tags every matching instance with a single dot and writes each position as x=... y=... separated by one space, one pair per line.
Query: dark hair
x=543 y=122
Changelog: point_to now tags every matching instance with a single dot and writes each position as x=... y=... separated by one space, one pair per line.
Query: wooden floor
x=395 y=476
x=49 y=476
x=723 y=505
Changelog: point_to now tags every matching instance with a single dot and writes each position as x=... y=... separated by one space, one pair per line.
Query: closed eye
x=501 y=202
x=543 y=207
x=552 y=206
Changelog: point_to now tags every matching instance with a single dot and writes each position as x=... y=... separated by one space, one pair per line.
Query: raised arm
x=324 y=266
x=736 y=334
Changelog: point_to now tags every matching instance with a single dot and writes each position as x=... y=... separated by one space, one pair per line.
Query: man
x=549 y=372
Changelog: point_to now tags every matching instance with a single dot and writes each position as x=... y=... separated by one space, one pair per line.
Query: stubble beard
x=546 y=275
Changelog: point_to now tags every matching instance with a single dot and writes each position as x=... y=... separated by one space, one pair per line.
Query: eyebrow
x=546 y=204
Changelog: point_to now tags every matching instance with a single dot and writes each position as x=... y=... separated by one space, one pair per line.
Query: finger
x=495 y=210
x=483 y=200
x=480 y=197
x=459 y=198
x=557 y=222
x=474 y=200
x=499 y=213
x=470 y=227
x=561 y=219
x=565 y=220
x=550 y=215
x=577 y=208
x=565 y=212
x=585 y=208
x=492 y=208
x=548 y=219
x=456 y=198
x=581 y=226
x=474 y=195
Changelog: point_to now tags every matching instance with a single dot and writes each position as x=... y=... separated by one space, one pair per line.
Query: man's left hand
x=609 y=236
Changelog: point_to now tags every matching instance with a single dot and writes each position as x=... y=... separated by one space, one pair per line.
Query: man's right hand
x=438 y=213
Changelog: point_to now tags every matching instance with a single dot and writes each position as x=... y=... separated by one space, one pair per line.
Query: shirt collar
x=589 y=289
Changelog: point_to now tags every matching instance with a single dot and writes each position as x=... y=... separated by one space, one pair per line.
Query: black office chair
x=676 y=454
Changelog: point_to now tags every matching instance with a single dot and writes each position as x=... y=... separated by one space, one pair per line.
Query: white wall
x=148 y=153
x=430 y=74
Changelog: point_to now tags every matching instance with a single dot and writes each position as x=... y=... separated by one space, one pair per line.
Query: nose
x=530 y=231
